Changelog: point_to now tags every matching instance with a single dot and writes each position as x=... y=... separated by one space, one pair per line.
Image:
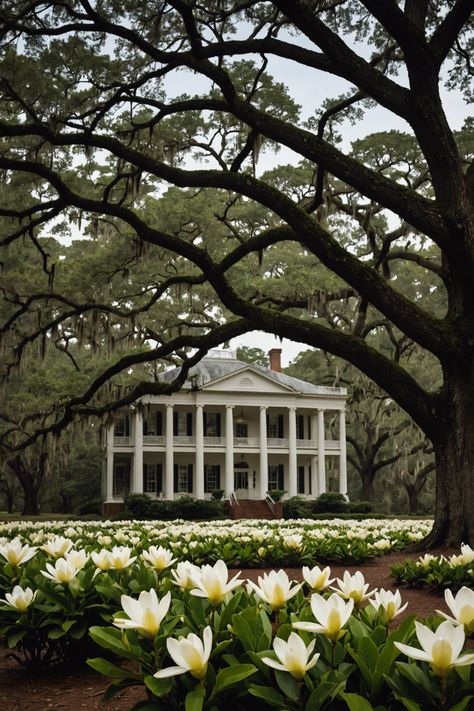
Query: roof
x=215 y=367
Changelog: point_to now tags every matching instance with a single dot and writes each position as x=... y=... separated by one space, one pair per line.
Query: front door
x=241 y=482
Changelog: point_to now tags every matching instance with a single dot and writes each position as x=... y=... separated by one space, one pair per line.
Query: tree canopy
x=140 y=126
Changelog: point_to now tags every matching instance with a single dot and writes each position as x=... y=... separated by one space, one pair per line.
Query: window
x=121 y=479
x=152 y=479
x=300 y=427
x=241 y=430
x=183 y=478
x=276 y=476
x=152 y=424
x=241 y=480
x=212 y=424
x=275 y=426
x=182 y=424
x=212 y=477
x=122 y=427
x=300 y=482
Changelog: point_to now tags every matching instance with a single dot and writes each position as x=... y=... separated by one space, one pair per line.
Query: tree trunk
x=412 y=494
x=454 y=456
x=31 y=503
x=367 y=492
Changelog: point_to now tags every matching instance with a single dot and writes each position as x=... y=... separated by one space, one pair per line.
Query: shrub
x=296 y=507
x=330 y=502
x=94 y=506
x=137 y=505
x=277 y=494
x=360 y=507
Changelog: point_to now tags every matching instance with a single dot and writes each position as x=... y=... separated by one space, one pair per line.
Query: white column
x=313 y=435
x=229 y=450
x=342 y=454
x=169 y=460
x=199 y=482
x=321 y=454
x=292 y=452
x=263 y=453
x=109 y=482
x=137 y=478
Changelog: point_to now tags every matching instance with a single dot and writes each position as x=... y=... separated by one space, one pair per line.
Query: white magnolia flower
x=316 y=578
x=441 y=648
x=331 y=615
x=20 y=598
x=62 y=572
x=145 y=614
x=353 y=587
x=274 y=588
x=425 y=560
x=293 y=655
x=191 y=654
x=102 y=559
x=294 y=541
x=16 y=553
x=77 y=558
x=57 y=546
x=462 y=607
x=212 y=582
x=389 y=601
x=159 y=558
x=120 y=557
x=467 y=553
x=184 y=574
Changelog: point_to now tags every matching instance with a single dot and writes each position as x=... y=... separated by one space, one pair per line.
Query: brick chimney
x=275 y=359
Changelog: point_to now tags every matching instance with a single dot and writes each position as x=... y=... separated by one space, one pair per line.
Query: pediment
x=247 y=380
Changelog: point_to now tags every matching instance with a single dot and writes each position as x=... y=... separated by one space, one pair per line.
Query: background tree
x=98 y=139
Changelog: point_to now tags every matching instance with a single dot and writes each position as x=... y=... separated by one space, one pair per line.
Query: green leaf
x=409 y=703
x=268 y=694
x=244 y=632
x=195 y=699
x=232 y=675
x=110 y=670
x=287 y=684
x=324 y=691
x=461 y=705
x=159 y=687
x=356 y=702
x=108 y=638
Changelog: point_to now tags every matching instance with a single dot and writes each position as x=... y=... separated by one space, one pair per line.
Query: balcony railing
x=184 y=441
x=246 y=442
x=214 y=441
x=122 y=441
x=277 y=443
x=154 y=439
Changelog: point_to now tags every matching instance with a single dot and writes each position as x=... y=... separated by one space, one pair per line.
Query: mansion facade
x=240 y=428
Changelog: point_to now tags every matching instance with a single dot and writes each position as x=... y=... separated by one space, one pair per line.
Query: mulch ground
x=82 y=688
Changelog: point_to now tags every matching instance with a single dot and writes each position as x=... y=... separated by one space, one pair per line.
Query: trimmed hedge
x=141 y=506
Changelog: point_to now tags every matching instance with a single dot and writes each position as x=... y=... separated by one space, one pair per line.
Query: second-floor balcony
x=186 y=441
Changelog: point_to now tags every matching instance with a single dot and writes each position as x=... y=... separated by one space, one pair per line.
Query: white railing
x=233 y=499
x=184 y=441
x=214 y=441
x=275 y=443
x=270 y=503
x=122 y=441
x=246 y=441
x=332 y=444
x=154 y=439
x=306 y=444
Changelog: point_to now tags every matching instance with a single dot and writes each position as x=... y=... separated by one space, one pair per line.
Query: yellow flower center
x=295 y=666
x=278 y=597
x=214 y=592
x=390 y=609
x=13 y=558
x=333 y=626
x=441 y=655
x=150 y=624
x=466 y=617
x=197 y=666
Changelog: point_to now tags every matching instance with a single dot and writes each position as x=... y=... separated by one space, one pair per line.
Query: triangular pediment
x=247 y=380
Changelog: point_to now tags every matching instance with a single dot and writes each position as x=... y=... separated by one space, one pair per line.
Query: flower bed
x=197 y=640
x=437 y=572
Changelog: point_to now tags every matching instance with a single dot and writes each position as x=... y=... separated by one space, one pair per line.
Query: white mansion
x=237 y=427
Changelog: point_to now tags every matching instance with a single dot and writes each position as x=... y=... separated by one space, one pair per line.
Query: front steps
x=254 y=508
